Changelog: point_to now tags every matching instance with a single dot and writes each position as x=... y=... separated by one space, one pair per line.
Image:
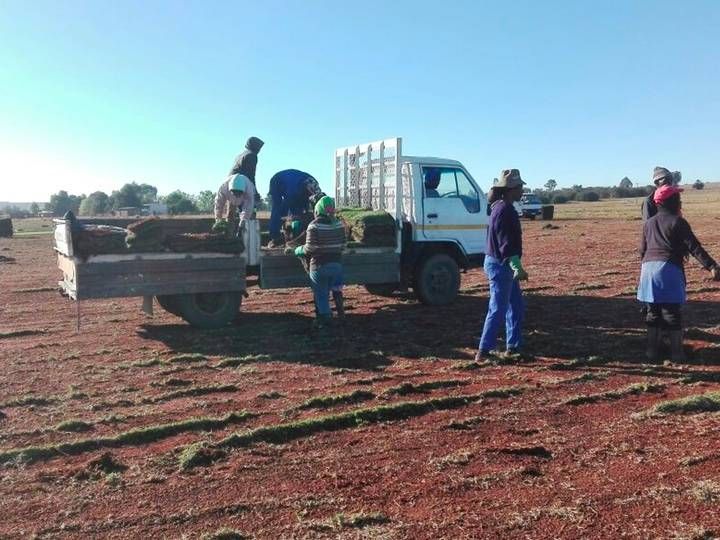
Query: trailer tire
x=382 y=289
x=210 y=310
x=437 y=280
x=170 y=303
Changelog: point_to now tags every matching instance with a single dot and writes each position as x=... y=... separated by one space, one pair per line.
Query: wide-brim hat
x=510 y=178
x=660 y=174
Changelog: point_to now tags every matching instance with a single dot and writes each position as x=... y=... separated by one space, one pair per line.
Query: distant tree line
x=625 y=189
x=132 y=195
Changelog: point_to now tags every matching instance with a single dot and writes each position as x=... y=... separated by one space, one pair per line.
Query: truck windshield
x=450 y=182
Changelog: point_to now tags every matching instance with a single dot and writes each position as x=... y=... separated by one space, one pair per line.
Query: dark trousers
x=665 y=316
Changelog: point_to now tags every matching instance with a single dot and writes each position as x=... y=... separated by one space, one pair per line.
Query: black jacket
x=668 y=237
x=246 y=163
x=649 y=208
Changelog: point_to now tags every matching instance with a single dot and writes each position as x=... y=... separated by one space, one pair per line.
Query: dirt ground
x=559 y=444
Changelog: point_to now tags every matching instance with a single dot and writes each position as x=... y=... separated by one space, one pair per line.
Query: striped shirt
x=324 y=242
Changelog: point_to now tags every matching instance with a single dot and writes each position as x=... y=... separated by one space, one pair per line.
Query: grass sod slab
x=283 y=433
x=133 y=437
x=633 y=389
x=700 y=403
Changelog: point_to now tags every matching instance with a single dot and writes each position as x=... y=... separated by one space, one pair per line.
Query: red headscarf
x=663 y=193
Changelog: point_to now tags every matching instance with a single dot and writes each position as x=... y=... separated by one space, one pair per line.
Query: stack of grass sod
x=6 y=227
x=204 y=242
x=99 y=239
x=368 y=228
x=146 y=235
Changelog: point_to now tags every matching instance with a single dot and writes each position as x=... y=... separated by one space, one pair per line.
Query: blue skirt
x=661 y=282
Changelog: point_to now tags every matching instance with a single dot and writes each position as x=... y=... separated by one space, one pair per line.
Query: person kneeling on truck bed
x=324 y=245
x=503 y=266
x=667 y=240
x=290 y=192
x=237 y=193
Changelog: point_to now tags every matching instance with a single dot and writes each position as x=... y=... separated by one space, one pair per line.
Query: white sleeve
x=248 y=201
x=221 y=201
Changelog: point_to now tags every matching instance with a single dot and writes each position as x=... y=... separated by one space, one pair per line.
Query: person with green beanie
x=324 y=244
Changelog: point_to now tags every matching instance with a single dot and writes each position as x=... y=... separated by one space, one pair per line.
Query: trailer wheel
x=171 y=303
x=438 y=280
x=210 y=310
x=382 y=289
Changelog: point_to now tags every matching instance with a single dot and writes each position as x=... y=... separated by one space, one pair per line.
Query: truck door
x=453 y=209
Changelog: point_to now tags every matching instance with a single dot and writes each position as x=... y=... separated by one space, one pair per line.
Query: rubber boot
x=339 y=304
x=653 y=343
x=677 y=354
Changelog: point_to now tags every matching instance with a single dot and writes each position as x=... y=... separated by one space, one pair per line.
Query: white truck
x=439 y=210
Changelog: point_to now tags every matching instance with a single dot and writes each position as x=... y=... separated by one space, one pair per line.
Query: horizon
x=557 y=90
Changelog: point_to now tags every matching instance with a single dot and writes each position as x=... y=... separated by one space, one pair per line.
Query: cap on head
x=509 y=179
x=325 y=206
x=661 y=176
x=238 y=182
x=665 y=192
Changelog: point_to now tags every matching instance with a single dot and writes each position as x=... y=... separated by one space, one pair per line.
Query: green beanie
x=325 y=207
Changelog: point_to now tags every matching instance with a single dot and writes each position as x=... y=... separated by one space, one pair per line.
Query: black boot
x=677 y=354
x=653 y=343
x=339 y=304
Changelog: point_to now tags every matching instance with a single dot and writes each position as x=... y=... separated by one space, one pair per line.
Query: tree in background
x=133 y=195
x=96 y=203
x=625 y=183
x=148 y=193
x=179 y=202
x=577 y=187
x=34 y=209
x=550 y=185
x=699 y=184
x=62 y=202
x=205 y=202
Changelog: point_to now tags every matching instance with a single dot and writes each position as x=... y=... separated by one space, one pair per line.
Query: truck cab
x=440 y=212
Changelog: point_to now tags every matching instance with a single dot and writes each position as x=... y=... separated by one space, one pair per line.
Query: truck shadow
x=558 y=327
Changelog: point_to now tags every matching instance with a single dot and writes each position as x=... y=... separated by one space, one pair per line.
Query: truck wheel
x=438 y=280
x=382 y=289
x=210 y=310
x=170 y=303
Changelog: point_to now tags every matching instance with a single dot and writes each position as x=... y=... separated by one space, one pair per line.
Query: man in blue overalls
x=290 y=193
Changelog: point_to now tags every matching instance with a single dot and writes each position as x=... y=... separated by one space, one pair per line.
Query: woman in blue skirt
x=667 y=241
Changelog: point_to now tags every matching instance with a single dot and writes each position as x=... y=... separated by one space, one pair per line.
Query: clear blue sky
x=94 y=94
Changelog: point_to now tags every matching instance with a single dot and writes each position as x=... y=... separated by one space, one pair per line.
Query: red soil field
x=527 y=463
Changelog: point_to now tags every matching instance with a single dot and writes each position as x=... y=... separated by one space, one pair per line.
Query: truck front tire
x=437 y=280
x=210 y=310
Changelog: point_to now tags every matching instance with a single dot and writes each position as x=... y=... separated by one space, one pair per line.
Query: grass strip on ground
x=633 y=389
x=324 y=402
x=283 y=433
x=422 y=388
x=194 y=391
x=699 y=403
x=133 y=437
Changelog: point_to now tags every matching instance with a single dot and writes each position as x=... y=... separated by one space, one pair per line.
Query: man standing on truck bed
x=246 y=162
x=290 y=192
x=237 y=193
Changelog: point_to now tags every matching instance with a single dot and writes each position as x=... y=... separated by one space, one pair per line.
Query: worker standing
x=290 y=192
x=235 y=195
x=667 y=240
x=246 y=163
x=661 y=177
x=503 y=266
x=324 y=244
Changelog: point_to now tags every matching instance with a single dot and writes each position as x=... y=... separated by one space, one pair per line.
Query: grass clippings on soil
x=133 y=437
x=423 y=388
x=192 y=392
x=242 y=360
x=74 y=426
x=188 y=358
x=225 y=534
x=21 y=333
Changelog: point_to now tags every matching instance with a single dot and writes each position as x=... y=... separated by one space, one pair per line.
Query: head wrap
x=325 y=207
x=238 y=182
x=663 y=193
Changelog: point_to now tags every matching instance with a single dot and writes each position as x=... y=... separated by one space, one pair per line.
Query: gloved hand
x=519 y=272
x=715 y=273
x=300 y=251
x=220 y=226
